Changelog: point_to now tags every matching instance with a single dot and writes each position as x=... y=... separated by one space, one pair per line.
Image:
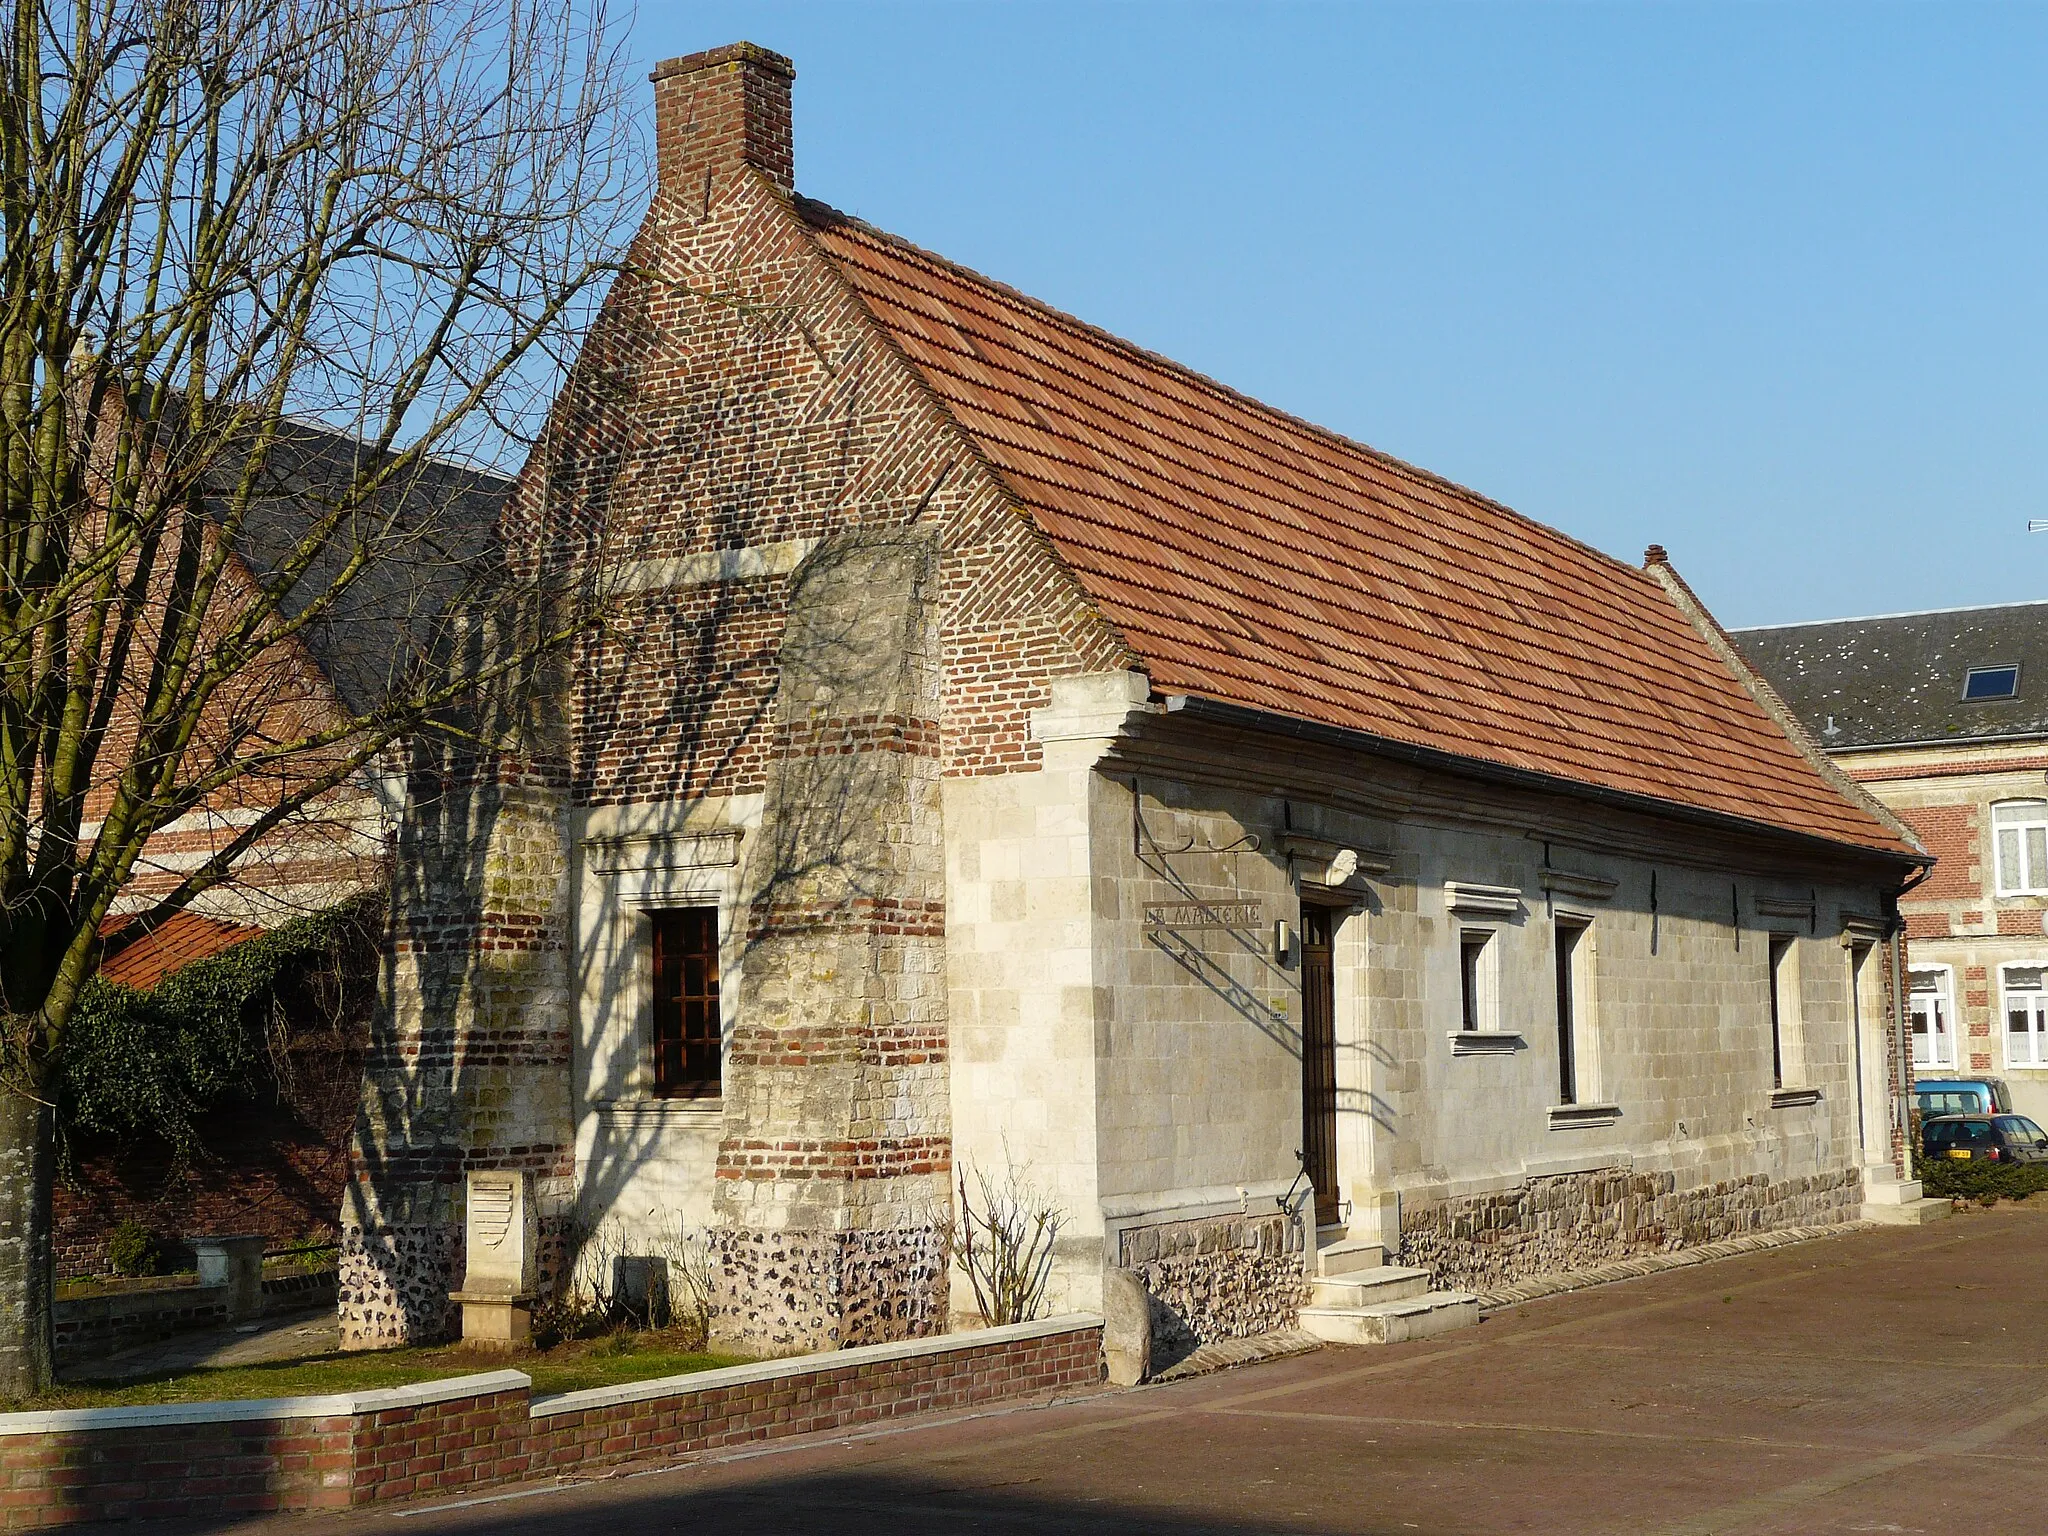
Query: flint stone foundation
x=1575 y=1221
x=1216 y=1277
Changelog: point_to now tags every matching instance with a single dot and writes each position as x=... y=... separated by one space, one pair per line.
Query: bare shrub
x=1006 y=1247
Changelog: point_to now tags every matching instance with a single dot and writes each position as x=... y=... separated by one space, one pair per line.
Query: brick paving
x=1885 y=1380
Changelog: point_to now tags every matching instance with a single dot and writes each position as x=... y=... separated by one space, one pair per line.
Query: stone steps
x=1897 y=1202
x=1392 y=1322
x=1346 y=1255
x=1368 y=1287
x=1912 y=1213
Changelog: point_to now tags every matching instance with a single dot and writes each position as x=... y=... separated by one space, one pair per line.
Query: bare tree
x=230 y=223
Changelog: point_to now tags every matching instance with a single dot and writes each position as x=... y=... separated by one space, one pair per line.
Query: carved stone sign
x=500 y=1234
x=1181 y=916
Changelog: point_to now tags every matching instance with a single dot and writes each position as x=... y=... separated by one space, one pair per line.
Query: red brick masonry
x=445 y=1436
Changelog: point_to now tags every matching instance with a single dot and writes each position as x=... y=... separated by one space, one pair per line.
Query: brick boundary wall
x=86 y=1328
x=321 y=1453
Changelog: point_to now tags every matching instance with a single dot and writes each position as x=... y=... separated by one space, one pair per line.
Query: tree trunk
x=27 y=1167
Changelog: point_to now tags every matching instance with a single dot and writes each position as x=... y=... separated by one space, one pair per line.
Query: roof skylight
x=1991 y=683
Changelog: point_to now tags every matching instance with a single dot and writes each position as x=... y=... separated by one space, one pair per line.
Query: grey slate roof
x=1898 y=678
x=441 y=537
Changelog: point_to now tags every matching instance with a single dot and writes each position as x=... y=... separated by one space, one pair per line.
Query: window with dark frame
x=1568 y=936
x=688 y=1036
x=1991 y=683
x=1781 y=951
x=1471 y=980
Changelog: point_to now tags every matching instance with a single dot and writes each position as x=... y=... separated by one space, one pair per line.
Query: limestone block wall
x=1466 y=1142
x=1022 y=1005
x=1199 y=1084
x=645 y=1165
x=1675 y=1030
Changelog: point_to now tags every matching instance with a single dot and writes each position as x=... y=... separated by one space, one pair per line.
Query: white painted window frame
x=2004 y=873
x=639 y=892
x=1585 y=990
x=1786 y=984
x=2035 y=1000
x=1945 y=994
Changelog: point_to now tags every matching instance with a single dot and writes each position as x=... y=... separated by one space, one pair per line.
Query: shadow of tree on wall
x=830 y=887
x=473 y=965
x=1174 y=867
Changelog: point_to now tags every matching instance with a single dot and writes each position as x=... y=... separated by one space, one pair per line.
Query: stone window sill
x=1567 y=1117
x=1793 y=1098
x=651 y=1108
x=1485 y=1042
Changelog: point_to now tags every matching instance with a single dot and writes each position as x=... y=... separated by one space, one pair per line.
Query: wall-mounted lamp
x=1283 y=942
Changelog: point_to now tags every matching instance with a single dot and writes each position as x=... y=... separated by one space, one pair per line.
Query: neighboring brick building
x=274 y=1159
x=1944 y=717
x=1012 y=751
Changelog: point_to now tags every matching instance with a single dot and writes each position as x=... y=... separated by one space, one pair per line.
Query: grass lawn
x=567 y=1367
x=119 y=1285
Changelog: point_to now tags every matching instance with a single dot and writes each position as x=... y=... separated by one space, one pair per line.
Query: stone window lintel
x=1566 y=882
x=1466 y=896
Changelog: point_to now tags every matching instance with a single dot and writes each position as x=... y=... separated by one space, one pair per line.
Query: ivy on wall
x=148 y=1063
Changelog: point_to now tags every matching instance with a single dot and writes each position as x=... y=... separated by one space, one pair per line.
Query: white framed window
x=2020 y=831
x=2026 y=1017
x=1932 y=1017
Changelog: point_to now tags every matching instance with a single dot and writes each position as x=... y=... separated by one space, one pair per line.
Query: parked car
x=1985 y=1138
x=1962 y=1096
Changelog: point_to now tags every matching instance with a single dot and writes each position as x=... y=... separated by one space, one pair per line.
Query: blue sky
x=1767 y=285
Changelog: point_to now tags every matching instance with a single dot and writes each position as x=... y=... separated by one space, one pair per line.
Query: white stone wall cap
x=805 y=1365
x=714 y=566
x=333 y=1406
x=1192 y=1204
x=1584 y=1162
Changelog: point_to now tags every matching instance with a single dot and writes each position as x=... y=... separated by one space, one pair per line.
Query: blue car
x=1961 y=1096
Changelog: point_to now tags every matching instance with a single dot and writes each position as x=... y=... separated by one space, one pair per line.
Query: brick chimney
x=717 y=111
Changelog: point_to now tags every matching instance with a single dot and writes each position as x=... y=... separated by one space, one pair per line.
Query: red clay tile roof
x=1252 y=558
x=183 y=937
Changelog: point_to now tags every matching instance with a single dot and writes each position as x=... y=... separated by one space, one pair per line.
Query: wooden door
x=1319 y=1059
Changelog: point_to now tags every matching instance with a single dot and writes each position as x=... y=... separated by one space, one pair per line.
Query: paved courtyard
x=1885 y=1381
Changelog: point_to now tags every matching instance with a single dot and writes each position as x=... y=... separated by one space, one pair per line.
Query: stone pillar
x=833 y=1200
x=468 y=1064
x=237 y=1263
